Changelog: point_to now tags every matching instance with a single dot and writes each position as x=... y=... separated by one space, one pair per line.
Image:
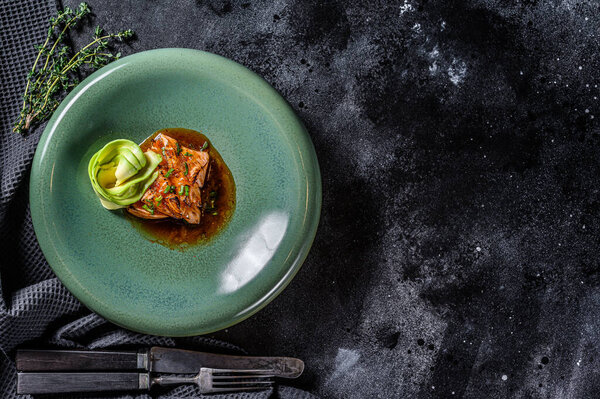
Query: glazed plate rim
x=79 y=290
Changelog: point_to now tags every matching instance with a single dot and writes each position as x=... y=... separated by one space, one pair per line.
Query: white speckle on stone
x=587 y=85
x=442 y=25
x=417 y=27
x=478 y=249
x=591 y=116
x=457 y=71
x=504 y=377
x=453 y=392
x=433 y=68
x=580 y=67
x=344 y=361
x=520 y=72
x=406 y=7
x=579 y=362
x=587 y=111
x=586 y=18
x=434 y=53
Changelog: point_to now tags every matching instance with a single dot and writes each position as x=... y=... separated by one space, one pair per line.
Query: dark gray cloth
x=35 y=308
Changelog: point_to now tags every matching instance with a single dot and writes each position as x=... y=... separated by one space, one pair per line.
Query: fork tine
x=224 y=383
x=247 y=371
x=230 y=377
x=234 y=389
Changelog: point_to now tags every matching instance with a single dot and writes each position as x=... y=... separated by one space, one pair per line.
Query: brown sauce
x=177 y=234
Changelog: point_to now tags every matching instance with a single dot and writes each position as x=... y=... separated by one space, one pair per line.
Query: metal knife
x=156 y=359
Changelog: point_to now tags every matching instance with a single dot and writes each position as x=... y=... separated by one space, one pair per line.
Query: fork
x=221 y=380
x=209 y=380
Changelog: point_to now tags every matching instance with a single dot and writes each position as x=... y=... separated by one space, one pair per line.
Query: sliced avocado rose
x=121 y=173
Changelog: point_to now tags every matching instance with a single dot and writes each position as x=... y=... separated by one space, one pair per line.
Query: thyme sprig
x=55 y=70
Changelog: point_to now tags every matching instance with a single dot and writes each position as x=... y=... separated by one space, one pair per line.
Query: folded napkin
x=34 y=306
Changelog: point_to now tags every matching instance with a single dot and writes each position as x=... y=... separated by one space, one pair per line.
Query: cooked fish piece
x=176 y=191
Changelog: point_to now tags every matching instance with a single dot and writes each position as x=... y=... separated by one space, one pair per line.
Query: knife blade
x=156 y=359
x=170 y=360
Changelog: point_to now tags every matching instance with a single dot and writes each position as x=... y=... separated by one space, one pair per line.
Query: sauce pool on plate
x=218 y=198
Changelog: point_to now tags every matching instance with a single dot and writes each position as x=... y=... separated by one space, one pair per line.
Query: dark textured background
x=457 y=250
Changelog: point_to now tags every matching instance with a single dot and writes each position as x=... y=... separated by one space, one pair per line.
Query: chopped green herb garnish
x=204 y=146
x=186 y=169
x=167 y=189
x=169 y=172
x=163 y=151
x=146 y=207
x=187 y=190
x=215 y=213
x=187 y=154
x=213 y=194
x=178 y=148
x=158 y=199
x=181 y=190
x=172 y=188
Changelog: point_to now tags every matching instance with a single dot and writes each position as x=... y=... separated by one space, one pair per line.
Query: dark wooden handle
x=57 y=360
x=32 y=383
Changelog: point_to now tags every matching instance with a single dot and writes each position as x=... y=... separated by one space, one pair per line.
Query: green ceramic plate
x=144 y=286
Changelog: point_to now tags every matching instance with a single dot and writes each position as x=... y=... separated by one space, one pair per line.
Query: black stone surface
x=457 y=250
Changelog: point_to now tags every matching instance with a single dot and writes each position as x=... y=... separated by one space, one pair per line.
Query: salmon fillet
x=176 y=191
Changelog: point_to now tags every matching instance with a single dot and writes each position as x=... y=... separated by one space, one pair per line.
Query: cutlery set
x=63 y=371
